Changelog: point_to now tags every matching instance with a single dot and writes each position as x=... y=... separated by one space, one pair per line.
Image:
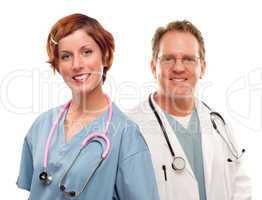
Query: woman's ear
x=105 y=60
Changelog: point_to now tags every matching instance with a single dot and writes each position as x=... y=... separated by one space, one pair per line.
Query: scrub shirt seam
x=31 y=151
x=133 y=154
x=29 y=145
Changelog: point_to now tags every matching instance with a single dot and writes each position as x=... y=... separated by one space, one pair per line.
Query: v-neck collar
x=193 y=121
x=98 y=124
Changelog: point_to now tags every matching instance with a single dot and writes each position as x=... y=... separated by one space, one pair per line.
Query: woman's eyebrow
x=64 y=51
x=86 y=46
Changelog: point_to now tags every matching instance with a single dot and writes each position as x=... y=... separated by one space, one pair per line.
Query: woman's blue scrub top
x=126 y=174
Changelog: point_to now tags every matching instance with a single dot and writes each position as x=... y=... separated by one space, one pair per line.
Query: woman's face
x=80 y=62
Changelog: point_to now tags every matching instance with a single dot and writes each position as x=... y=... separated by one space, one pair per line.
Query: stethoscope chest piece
x=178 y=163
x=45 y=178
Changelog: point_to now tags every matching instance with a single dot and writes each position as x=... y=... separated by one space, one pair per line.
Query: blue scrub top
x=190 y=140
x=127 y=173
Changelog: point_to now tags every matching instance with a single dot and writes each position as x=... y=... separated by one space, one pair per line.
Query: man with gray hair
x=194 y=153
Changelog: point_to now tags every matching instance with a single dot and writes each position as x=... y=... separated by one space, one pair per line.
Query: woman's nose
x=77 y=63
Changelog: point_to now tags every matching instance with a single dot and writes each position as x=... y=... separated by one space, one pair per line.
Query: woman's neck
x=91 y=104
x=83 y=110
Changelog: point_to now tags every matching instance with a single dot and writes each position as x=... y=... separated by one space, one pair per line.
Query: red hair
x=93 y=28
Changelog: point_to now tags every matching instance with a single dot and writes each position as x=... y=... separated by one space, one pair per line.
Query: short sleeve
x=135 y=175
x=26 y=168
x=135 y=178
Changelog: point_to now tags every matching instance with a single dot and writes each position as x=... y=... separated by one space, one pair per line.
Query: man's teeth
x=179 y=79
x=81 y=77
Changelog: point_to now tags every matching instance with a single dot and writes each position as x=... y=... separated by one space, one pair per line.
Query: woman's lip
x=81 y=77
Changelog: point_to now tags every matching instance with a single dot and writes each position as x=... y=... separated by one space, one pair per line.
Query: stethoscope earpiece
x=71 y=193
x=237 y=157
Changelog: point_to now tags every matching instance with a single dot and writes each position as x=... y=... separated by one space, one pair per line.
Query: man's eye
x=168 y=59
x=189 y=59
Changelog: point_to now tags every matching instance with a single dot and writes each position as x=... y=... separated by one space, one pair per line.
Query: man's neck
x=177 y=106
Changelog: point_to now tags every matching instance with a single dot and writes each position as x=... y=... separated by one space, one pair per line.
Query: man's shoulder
x=141 y=113
x=139 y=109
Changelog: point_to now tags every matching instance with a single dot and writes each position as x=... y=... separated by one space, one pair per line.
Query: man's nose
x=178 y=65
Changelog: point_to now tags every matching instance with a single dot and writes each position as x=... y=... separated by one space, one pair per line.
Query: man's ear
x=153 y=67
x=203 y=68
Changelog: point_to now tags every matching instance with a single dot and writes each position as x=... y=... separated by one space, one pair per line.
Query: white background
x=232 y=85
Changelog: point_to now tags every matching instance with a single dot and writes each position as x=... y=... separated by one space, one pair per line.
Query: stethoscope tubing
x=86 y=140
x=229 y=143
x=161 y=125
x=52 y=131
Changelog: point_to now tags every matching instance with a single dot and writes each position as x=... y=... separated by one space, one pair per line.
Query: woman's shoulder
x=132 y=140
x=42 y=122
x=46 y=115
x=121 y=118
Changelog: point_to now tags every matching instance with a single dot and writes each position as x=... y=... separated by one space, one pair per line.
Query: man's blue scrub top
x=190 y=140
x=127 y=173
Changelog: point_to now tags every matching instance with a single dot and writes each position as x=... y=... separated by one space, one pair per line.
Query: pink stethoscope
x=46 y=179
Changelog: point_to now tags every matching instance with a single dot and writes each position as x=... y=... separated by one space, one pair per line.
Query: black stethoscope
x=179 y=162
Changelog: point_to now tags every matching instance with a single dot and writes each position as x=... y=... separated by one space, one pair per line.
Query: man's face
x=178 y=65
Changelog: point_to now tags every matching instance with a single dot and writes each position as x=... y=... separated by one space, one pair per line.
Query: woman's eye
x=87 y=52
x=65 y=57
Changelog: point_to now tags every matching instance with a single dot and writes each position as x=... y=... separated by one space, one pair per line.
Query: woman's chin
x=84 y=89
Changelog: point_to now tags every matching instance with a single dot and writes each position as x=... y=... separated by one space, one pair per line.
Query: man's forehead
x=179 y=42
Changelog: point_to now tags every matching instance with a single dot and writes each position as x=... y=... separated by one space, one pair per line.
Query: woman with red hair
x=87 y=148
